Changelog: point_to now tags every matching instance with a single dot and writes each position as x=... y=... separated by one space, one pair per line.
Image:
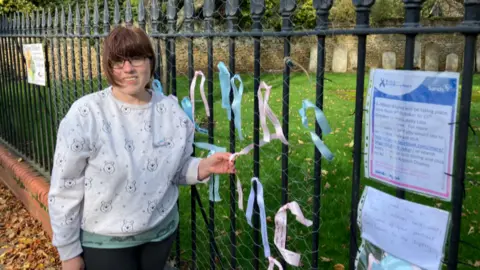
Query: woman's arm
x=67 y=185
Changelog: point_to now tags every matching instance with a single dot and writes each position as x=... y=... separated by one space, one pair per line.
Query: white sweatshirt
x=117 y=167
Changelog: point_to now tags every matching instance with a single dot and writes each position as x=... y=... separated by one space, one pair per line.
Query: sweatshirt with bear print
x=117 y=167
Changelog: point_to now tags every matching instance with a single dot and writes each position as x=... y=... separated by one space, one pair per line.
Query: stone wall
x=383 y=51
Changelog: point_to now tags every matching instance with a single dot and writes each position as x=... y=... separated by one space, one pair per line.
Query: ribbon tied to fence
x=264 y=112
x=213 y=186
x=290 y=257
x=263 y=220
x=188 y=104
x=227 y=83
x=322 y=122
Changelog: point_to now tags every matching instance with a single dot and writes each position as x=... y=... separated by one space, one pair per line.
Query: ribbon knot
x=322 y=122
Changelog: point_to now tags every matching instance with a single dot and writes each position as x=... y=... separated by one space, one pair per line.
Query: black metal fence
x=72 y=46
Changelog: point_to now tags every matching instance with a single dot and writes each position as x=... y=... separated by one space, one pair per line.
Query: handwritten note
x=413 y=232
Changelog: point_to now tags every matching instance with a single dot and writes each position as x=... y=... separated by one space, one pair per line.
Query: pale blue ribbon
x=213 y=186
x=187 y=108
x=263 y=217
x=237 y=104
x=224 y=76
x=157 y=86
x=322 y=122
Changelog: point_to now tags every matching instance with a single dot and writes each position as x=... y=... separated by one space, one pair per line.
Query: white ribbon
x=240 y=194
x=290 y=257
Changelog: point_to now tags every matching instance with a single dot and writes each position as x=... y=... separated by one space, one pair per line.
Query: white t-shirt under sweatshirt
x=117 y=167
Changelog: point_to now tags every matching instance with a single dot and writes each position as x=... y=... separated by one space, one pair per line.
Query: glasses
x=134 y=61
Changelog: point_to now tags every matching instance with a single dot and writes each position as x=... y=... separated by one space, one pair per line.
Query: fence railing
x=72 y=41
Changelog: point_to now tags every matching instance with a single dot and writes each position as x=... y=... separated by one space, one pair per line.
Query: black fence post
x=257 y=10
x=171 y=68
x=232 y=11
x=208 y=9
x=412 y=19
x=287 y=7
x=471 y=19
x=363 y=19
x=189 y=28
x=322 y=8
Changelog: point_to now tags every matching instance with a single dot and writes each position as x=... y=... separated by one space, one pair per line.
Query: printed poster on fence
x=398 y=234
x=35 y=61
x=410 y=130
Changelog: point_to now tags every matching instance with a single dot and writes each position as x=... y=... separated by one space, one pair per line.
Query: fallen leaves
x=24 y=243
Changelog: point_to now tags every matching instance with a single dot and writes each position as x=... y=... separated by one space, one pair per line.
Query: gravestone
x=478 y=60
x=431 y=57
x=340 y=59
x=417 y=55
x=451 y=62
x=389 y=60
x=353 y=60
x=312 y=64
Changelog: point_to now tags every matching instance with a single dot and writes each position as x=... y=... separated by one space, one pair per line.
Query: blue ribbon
x=322 y=122
x=224 y=76
x=157 y=86
x=187 y=108
x=237 y=104
x=213 y=186
x=263 y=218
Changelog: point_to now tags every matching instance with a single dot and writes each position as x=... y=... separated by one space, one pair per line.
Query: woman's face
x=132 y=75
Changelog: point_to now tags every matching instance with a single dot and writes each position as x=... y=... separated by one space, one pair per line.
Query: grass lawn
x=339 y=104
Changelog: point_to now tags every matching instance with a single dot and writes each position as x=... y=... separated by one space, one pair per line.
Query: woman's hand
x=218 y=163
x=75 y=263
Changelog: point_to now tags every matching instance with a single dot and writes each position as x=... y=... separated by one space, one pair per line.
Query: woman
x=120 y=155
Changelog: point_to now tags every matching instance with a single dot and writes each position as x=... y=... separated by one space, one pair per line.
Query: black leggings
x=148 y=256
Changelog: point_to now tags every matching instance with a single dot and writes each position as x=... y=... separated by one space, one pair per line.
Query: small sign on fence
x=398 y=234
x=35 y=61
x=410 y=130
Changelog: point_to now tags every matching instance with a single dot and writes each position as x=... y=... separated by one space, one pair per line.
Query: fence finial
x=49 y=20
x=116 y=13
x=286 y=10
x=27 y=23
x=232 y=11
x=323 y=8
x=471 y=11
x=155 y=14
x=141 y=14
x=362 y=8
x=208 y=8
x=257 y=9
x=96 y=18
x=171 y=15
x=70 y=20
x=128 y=13
x=78 y=27
x=87 y=18
x=44 y=22
x=106 y=17
x=412 y=12
x=33 y=21
x=62 y=20
x=37 y=26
